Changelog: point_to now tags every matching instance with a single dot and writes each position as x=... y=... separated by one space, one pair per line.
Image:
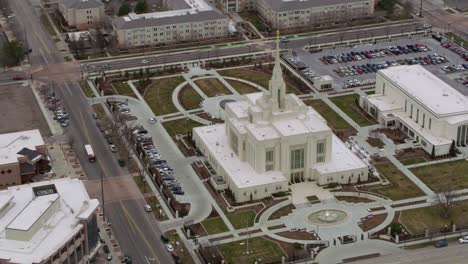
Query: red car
x=18 y=78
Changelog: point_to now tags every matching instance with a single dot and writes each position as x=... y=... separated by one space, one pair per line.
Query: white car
x=113 y=148
x=463 y=240
x=169 y=247
x=144 y=61
x=11 y=16
x=153 y=120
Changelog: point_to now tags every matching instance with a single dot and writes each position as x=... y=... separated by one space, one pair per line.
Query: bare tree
x=408 y=8
x=444 y=200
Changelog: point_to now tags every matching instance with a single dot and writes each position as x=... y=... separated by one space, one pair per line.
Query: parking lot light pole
x=420 y=8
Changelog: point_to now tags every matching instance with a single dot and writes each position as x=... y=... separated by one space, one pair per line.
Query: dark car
x=121 y=162
x=441 y=243
x=164 y=238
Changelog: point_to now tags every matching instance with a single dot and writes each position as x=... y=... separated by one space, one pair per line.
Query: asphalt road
x=247 y=48
x=137 y=231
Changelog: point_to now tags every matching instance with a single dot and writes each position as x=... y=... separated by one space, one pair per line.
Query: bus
x=90 y=153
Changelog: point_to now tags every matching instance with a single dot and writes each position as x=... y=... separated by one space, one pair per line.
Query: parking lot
x=20 y=111
x=357 y=65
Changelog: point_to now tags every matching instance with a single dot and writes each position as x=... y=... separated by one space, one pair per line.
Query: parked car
x=441 y=243
x=164 y=238
x=148 y=208
x=169 y=247
x=128 y=259
x=113 y=148
x=65 y=123
x=121 y=162
x=153 y=120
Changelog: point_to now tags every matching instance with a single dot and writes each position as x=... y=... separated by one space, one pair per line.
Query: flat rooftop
x=22 y=206
x=12 y=143
x=427 y=89
x=343 y=159
x=384 y=103
x=241 y=173
x=192 y=11
x=289 y=5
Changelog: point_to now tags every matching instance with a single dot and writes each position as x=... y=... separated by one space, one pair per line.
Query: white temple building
x=272 y=139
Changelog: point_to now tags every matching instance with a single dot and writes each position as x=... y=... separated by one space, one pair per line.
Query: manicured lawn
x=437 y=176
x=242 y=88
x=155 y=205
x=179 y=247
x=214 y=225
x=412 y=161
x=242 y=219
x=259 y=248
x=332 y=117
x=370 y=92
x=347 y=103
x=87 y=90
x=417 y=220
x=212 y=87
x=159 y=95
x=457 y=39
x=189 y=98
x=142 y=184
x=180 y=126
x=259 y=77
x=401 y=187
x=123 y=88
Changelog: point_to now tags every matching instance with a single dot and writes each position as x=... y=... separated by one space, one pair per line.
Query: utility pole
x=102 y=198
x=420 y=8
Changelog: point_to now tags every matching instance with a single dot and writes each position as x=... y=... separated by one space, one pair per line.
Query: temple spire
x=277 y=84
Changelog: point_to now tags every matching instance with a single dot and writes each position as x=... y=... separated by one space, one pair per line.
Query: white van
x=148 y=208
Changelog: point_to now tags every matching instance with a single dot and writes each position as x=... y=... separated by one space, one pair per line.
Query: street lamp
x=420 y=8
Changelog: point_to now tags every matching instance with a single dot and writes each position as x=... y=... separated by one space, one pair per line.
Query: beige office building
x=285 y=14
x=82 y=14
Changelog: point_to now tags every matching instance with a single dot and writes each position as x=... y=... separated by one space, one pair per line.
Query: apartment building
x=82 y=14
x=47 y=223
x=229 y=6
x=22 y=155
x=197 y=21
x=425 y=108
x=285 y=14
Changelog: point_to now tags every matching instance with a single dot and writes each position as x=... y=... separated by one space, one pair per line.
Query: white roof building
x=12 y=143
x=423 y=106
x=271 y=139
x=39 y=220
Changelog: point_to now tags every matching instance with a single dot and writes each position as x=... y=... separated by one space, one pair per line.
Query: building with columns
x=425 y=108
x=272 y=139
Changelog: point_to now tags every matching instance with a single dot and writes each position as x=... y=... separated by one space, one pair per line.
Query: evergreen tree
x=141 y=7
x=124 y=9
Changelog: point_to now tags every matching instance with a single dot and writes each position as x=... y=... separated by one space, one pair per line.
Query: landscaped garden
x=123 y=88
x=189 y=98
x=411 y=161
x=159 y=95
x=258 y=247
x=212 y=87
x=333 y=118
x=180 y=126
x=420 y=219
x=242 y=219
x=438 y=176
x=347 y=103
x=214 y=225
x=241 y=87
x=400 y=188
x=87 y=90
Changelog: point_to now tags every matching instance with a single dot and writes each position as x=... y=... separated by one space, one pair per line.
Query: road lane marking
x=42 y=54
x=41 y=41
x=68 y=88
x=127 y=214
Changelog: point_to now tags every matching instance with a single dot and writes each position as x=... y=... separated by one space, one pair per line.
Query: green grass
x=437 y=176
x=347 y=103
x=179 y=247
x=258 y=77
x=87 y=90
x=259 y=248
x=412 y=161
x=142 y=184
x=67 y=58
x=159 y=95
x=214 y=225
x=189 y=98
x=242 y=219
x=242 y=88
x=97 y=55
x=370 y=92
x=154 y=203
x=253 y=18
x=180 y=126
x=212 y=87
x=123 y=88
x=457 y=39
x=401 y=187
x=332 y=117
x=48 y=25
x=417 y=220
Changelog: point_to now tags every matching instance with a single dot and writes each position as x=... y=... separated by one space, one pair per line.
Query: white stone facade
x=272 y=139
x=423 y=106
